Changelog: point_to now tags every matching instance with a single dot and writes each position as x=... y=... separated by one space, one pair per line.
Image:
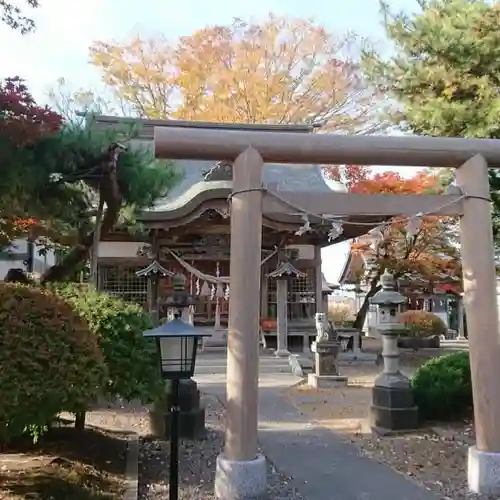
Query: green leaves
x=443 y=76
x=442 y=387
x=131 y=360
x=49 y=360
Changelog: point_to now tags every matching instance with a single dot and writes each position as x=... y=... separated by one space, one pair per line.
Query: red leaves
x=22 y=121
x=16 y=227
x=349 y=175
x=430 y=253
x=393 y=183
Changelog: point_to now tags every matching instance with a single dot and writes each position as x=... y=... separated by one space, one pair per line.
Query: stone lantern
x=192 y=413
x=393 y=407
x=285 y=272
x=179 y=299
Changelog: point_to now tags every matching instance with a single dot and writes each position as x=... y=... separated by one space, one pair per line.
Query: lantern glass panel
x=178 y=356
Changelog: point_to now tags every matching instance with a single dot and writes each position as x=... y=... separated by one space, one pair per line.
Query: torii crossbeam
x=249 y=150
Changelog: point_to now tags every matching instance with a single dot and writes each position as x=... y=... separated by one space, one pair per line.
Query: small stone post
x=326 y=349
x=393 y=407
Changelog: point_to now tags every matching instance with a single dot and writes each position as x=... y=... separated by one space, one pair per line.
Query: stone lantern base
x=393 y=407
x=191 y=418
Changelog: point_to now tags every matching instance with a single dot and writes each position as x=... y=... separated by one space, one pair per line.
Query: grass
x=65 y=465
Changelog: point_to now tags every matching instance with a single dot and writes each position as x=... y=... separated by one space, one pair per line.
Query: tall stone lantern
x=192 y=412
x=285 y=272
x=393 y=407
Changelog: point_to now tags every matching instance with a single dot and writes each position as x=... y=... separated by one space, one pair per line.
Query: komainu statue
x=324 y=329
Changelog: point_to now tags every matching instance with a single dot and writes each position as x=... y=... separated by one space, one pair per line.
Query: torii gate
x=249 y=150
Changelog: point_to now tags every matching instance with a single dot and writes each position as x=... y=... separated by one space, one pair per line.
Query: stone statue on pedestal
x=324 y=329
x=326 y=349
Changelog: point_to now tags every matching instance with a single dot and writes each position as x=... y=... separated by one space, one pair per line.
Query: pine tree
x=444 y=73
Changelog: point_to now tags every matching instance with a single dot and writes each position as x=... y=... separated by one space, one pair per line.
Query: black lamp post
x=177 y=343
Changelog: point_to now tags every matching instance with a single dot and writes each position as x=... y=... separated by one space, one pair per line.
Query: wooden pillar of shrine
x=318 y=281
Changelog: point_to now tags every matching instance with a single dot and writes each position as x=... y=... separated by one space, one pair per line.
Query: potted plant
x=422 y=330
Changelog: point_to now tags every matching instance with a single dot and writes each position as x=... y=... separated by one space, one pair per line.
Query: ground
x=197 y=464
x=65 y=465
x=435 y=456
x=92 y=467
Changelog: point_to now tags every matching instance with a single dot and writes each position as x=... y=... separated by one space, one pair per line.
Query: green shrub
x=130 y=358
x=442 y=387
x=422 y=324
x=49 y=359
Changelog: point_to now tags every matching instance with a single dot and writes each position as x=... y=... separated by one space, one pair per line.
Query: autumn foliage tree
x=426 y=248
x=278 y=71
x=22 y=124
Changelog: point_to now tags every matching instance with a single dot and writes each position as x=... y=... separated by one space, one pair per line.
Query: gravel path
x=197 y=464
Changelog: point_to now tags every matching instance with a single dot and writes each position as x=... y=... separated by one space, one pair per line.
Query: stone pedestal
x=241 y=479
x=216 y=342
x=356 y=354
x=326 y=381
x=192 y=413
x=393 y=407
x=325 y=365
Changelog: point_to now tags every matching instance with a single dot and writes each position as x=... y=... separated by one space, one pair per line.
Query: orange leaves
x=393 y=183
x=15 y=227
x=430 y=251
x=139 y=72
x=276 y=71
x=349 y=175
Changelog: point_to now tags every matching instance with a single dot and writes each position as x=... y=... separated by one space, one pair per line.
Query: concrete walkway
x=322 y=465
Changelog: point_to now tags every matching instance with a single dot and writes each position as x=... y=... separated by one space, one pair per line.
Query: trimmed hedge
x=118 y=325
x=422 y=324
x=442 y=387
x=49 y=360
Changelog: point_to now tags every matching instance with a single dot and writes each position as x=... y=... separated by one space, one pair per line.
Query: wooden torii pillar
x=241 y=472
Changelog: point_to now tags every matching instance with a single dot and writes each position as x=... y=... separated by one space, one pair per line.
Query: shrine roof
x=278 y=177
x=207 y=184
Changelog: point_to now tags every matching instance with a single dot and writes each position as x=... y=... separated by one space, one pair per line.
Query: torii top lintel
x=296 y=147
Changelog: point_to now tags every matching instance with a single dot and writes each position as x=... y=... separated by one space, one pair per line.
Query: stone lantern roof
x=286 y=270
x=388 y=296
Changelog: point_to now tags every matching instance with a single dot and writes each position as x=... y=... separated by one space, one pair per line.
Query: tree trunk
x=109 y=193
x=80 y=421
x=363 y=310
